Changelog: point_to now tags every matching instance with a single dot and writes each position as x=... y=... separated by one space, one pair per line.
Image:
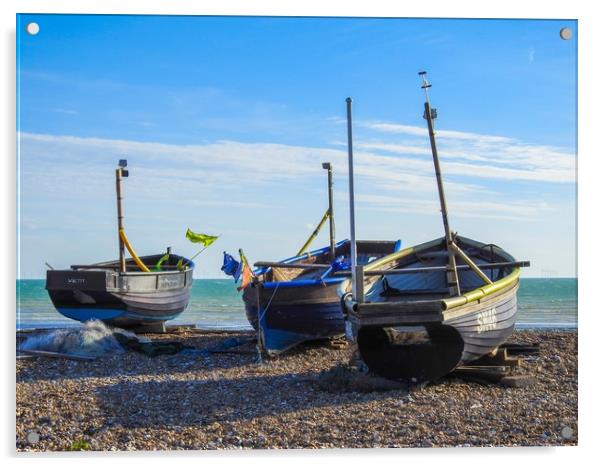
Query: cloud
x=201 y=169
x=441 y=134
x=65 y=111
x=531 y=55
x=265 y=194
x=395 y=148
x=396 y=176
x=478 y=155
x=517 y=210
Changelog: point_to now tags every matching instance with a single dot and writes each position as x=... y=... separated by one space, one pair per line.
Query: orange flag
x=246 y=274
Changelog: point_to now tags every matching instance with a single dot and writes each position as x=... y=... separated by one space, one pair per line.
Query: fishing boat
x=295 y=300
x=140 y=292
x=419 y=313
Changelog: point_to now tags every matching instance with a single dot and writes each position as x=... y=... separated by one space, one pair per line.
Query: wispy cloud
x=480 y=155
x=257 y=164
x=65 y=111
x=531 y=55
x=442 y=134
x=518 y=211
x=394 y=176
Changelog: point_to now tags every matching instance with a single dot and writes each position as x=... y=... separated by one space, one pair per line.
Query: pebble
x=132 y=402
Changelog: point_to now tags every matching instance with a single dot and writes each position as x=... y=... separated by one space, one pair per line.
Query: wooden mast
x=328 y=166
x=120 y=173
x=429 y=116
x=452 y=248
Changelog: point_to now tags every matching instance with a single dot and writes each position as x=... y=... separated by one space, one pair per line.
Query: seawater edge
x=546 y=303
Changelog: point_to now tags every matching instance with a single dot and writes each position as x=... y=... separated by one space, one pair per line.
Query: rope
x=315 y=233
x=125 y=241
x=260 y=316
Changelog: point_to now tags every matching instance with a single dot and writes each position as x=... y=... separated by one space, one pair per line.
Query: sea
x=543 y=303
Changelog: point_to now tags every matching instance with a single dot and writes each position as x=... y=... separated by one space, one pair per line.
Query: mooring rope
x=260 y=316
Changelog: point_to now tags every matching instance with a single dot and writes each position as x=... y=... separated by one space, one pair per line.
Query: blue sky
x=225 y=123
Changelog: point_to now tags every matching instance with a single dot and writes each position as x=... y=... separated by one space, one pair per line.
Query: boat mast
x=355 y=288
x=452 y=248
x=328 y=166
x=120 y=173
x=429 y=115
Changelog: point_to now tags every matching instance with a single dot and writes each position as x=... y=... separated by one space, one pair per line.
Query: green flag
x=205 y=240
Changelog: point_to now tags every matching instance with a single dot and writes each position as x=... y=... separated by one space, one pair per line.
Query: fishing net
x=93 y=338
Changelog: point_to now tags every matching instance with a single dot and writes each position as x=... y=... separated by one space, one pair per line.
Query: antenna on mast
x=425 y=85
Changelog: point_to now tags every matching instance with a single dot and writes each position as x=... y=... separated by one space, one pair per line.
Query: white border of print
x=588 y=195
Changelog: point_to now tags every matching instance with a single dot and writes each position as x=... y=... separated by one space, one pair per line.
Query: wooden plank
x=396 y=313
x=390 y=321
x=429 y=316
x=53 y=354
x=521 y=348
x=393 y=319
x=496 y=369
x=282 y=265
x=128 y=267
x=513 y=361
x=501 y=358
x=518 y=381
x=481 y=374
x=474 y=267
x=433 y=305
x=437 y=269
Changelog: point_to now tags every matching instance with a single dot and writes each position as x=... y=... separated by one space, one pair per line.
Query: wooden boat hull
x=295 y=315
x=486 y=325
x=420 y=339
x=295 y=311
x=127 y=300
x=453 y=342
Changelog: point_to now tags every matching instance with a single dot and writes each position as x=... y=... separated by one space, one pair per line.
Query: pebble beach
x=307 y=398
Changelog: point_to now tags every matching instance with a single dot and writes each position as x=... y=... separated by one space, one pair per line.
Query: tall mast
x=120 y=173
x=353 y=246
x=452 y=248
x=328 y=166
x=430 y=115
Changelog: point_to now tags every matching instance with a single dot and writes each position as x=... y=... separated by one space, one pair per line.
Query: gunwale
x=446 y=303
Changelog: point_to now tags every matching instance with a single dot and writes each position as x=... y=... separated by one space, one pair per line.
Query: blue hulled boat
x=296 y=300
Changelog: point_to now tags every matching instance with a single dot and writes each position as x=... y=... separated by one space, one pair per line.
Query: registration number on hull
x=487 y=320
x=76 y=281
